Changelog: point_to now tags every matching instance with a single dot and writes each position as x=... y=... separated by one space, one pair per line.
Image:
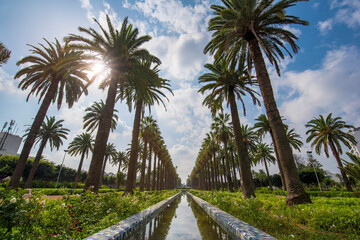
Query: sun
x=100 y=69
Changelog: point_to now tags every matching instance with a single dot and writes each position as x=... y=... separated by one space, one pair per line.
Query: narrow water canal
x=183 y=219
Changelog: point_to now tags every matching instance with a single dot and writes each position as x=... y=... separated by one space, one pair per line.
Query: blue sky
x=323 y=77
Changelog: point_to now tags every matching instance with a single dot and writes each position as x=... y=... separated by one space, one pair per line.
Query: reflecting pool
x=183 y=219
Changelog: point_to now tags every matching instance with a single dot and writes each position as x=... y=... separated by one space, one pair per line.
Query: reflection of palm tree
x=51 y=131
x=82 y=144
x=93 y=116
x=120 y=50
x=328 y=132
x=56 y=73
x=264 y=155
x=250 y=28
x=4 y=54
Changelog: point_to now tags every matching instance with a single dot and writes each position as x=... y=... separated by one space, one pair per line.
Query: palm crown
x=262 y=20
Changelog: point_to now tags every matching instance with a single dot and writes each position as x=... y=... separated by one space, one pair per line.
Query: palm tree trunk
x=35 y=164
x=212 y=173
x=103 y=171
x=295 y=191
x=79 y=169
x=268 y=175
x=223 y=179
x=134 y=149
x=343 y=174
x=143 y=165
x=102 y=135
x=117 y=175
x=215 y=171
x=29 y=142
x=246 y=177
x=157 y=181
x=234 y=173
x=277 y=158
x=227 y=169
x=149 y=170
x=154 y=174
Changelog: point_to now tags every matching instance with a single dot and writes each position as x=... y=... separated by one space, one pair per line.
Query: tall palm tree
x=4 y=54
x=262 y=126
x=120 y=159
x=109 y=153
x=221 y=127
x=120 y=50
x=352 y=169
x=54 y=72
x=144 y=91
x=51 y=131
x=294 y=138
x=264 y=155
x=248 y=28
x=329 y=132
x=82 y=144
x=93 y=116
x=228 y=84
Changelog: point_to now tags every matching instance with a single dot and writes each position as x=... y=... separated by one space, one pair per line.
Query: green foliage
x=73 y=217
x=326 y=218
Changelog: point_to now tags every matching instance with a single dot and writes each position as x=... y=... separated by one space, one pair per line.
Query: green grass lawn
x=325 y=218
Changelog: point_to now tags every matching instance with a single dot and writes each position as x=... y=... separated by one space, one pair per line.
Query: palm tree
x=352 y=169
x=109 y=152
x=120 y=50
x=221 y=127
x=54 y=72
x=294 y=138
x=82 y=144
x=144 y=91
x=262 y=127
x=248 y=28
x=51 y=131
x=328 y=132
x=118 y=158
x=93 y=116
x=264 y=155
x=4 y=54
x=229 y=84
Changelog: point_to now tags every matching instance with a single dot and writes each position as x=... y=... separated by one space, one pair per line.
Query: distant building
x=355 y=149
x=9 y=143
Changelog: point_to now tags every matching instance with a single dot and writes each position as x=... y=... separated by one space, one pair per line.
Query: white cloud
x=8 y=84
x=179 y=18
x=332 y=88
x=325 y=26
x=88 y=7
x=348 y=12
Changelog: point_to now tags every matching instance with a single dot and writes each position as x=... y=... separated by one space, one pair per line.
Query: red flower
x=35 y=212
x=52 y=234
x=72 y=215
x=79 y=229
x=74 y=226
x=76 y=221
x=70 y=207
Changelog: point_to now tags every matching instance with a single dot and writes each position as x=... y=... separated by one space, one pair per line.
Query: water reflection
x=183 y=219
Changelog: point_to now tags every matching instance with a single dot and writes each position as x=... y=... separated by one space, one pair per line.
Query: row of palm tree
x=242 y=32
x=57 y=71
x=209 y=170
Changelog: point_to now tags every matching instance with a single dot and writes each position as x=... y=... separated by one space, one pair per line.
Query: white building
x=355 y=149
x=9 y=143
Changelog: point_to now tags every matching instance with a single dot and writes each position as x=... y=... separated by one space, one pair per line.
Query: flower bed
x=73 y=217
